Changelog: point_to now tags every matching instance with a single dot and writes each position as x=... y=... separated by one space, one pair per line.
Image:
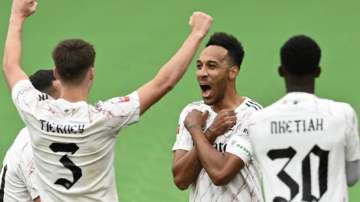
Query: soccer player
x=205 y=159
x=302 y=142
x=73 y=141
x=17 y=177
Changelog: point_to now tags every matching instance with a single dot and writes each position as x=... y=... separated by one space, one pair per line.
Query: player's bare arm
x=37 y=199
x=221 y=167
x=186 y=165
x=21 y=9
x=175 y=68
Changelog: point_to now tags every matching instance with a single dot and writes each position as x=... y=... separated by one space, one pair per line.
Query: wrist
x=194 y=129
x=211 y=136
x=17 y=18
x=198 y=35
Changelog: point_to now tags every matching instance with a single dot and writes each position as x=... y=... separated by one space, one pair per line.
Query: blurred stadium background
x=133 y=38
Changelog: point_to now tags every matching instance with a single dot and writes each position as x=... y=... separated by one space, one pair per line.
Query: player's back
x=302 y=143
x=73 y=143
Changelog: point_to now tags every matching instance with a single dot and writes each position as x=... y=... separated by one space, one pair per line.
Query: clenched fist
x=195 y=120
x=224 y=120
x=200 y=23
x=23 y=8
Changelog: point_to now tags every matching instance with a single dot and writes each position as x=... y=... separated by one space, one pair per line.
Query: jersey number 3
x=67 y=163
x=306 y=173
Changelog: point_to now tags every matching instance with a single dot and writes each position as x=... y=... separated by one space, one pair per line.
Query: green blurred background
x=133 y=38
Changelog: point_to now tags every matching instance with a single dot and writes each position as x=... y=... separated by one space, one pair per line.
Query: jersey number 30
x=306 y=173
x=67 y=163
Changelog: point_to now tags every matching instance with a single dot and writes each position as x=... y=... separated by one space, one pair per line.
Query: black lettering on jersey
x=296 y=126
x=60 y=128
x=221 y=147
x=43 y=96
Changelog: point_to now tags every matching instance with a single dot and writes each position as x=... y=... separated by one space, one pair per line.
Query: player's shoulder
x=18 y=146
x=199 y=105
x=252 y=105
x=336 y=107
x=124 y=101
x=22 y=140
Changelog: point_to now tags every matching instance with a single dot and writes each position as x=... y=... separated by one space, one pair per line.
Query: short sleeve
x=121 y=111
x=183 y=137
x=352 y=148
x=239 y=144
x=28 y=174
x=26 y=97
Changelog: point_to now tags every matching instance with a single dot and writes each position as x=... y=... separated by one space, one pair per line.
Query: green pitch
x=133 y=38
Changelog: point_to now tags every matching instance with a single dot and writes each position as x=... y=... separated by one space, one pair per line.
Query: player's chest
x=221 y=141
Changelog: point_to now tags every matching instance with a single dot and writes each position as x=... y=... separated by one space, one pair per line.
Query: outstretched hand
x=23 y=8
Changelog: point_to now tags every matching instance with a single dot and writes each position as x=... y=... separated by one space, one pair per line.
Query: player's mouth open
x=205 y=90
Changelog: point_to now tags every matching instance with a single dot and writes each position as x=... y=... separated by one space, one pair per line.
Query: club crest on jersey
x=124 y=99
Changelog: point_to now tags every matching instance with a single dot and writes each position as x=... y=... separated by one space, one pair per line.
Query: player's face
x=213 y=73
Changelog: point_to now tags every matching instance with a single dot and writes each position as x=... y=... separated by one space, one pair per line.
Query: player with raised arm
x=217 y=169
x=17 y=178
x=73 y=141
x=307 y=147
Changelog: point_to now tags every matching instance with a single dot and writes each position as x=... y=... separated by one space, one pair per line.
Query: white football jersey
x=301 y=143
x=245 y=186
x=73 y=143
x=18 y=180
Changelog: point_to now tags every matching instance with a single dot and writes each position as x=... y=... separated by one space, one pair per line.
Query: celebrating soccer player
x=18 y=181
x=308 y=147
x=73 y=141
x=218 y=169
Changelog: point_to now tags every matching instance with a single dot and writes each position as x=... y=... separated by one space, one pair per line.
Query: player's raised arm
x=175 y=68
x=21 y=9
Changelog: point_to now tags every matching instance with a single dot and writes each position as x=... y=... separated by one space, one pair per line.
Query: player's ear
x=318 y=72
x=91 y=73
x=234 y=71
x=281 y=71
x=56 y=74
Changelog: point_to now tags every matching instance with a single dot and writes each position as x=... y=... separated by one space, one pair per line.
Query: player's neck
x=306 y=87
x=74 y=94
x=300 y=84
x=231 y=100
x=296 y=88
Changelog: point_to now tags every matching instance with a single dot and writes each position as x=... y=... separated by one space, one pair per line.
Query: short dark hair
x=72 y=58
x=300 y=55
x=230 y=43
x=42 y=80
